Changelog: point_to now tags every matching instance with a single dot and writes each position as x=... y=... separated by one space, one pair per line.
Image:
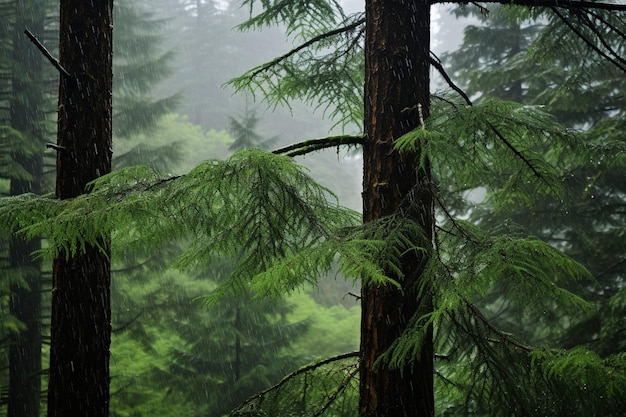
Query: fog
x=188 y=339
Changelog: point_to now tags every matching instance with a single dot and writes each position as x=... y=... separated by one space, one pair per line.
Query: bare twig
x=55 y=147
x=435 y=63
x=46 y=53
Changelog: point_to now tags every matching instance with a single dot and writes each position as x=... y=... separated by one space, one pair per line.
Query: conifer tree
x=245 y=133
x=588 y=231
x=25 y=129
x=397 y=63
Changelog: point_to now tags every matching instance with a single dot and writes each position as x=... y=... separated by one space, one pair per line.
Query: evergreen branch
x=617 y=61
x=335 y=394
x=564 y=4
x=501 y=334
x=303 y=370
x=312 y=145
x=437 y=64
x=516 y=152
x=305 y=45
x=608 y=24
x=55 y=62
x=482 y=9
x=455 y=224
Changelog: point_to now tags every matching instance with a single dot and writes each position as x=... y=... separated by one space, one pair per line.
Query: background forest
x=171 y=353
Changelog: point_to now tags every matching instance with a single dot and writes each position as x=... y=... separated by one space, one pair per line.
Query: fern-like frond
x=325 y=70
x=255 y=207
x=499 y=145
x=599 y=383
x=303 y=19
x=525 y=269
x=469 y=264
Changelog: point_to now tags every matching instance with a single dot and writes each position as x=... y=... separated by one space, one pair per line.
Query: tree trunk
x=81 y=314
x=396 y=81
x=26 y=113
x=25 y=350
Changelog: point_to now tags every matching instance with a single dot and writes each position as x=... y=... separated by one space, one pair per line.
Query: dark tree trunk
x=27 y=113
x=396 y=81
x=81 y=315
x=25 y=350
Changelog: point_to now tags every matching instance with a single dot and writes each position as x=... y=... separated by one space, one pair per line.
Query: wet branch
x=313 y=145
x=335 y=394
x=305 y=369
x=55 y=62
x=565 y=4
x=437 y=64
x=305 y=45
x=517 y=152
x=501 y=334
x=588 y=42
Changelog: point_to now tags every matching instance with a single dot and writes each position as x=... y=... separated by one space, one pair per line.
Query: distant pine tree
x=245 y=132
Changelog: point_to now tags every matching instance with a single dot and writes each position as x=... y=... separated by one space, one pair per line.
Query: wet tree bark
x=396 y=81
x=26 y=113
x=81 y=316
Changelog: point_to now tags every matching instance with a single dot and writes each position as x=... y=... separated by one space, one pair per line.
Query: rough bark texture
x=26 y=113
x=396 y=81
x=81 y=325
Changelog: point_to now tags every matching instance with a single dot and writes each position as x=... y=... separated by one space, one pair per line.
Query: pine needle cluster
x=255 y=207
x=323 y=70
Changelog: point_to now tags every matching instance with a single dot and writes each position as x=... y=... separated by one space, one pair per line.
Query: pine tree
x=588 y=231
x=26 y=128
x=139 y=66
x=28 y=120
x=245 y=134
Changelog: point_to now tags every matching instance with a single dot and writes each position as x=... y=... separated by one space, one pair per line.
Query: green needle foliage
x=255 y=207
x=496 y=144
x=282 y=230
x=324 y=70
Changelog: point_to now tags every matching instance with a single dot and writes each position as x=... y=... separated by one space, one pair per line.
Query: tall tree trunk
x=396 y=81
x=27 y=113
x=81 y=314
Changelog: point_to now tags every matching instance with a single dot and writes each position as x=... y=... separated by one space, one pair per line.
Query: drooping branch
x=565 y=4
x=260 y=395
x=312 y=145
x=437 y=64
x=331 y=399
x=501 y=334
x=55 y=62
x=608 y=24
x=516 y=152
x=305 y=45
x=589 y=43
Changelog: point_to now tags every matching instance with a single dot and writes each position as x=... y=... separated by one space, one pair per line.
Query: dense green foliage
x=520 y=327
x=586 y=221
